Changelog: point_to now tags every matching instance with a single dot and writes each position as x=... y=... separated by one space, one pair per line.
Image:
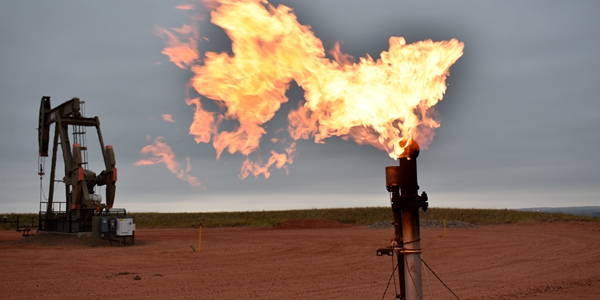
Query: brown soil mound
x=311 y=223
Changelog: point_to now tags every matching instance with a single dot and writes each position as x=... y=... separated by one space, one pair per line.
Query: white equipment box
x=125 y=227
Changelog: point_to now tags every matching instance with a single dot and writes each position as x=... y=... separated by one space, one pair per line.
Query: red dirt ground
x=558 y=260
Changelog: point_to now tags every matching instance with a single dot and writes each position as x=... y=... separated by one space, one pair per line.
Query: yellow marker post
x=444 y=221
x=200 y=237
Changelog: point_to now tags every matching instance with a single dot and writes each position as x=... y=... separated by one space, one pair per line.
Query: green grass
x=359 y=216
x=499 y=216
x=356 y=216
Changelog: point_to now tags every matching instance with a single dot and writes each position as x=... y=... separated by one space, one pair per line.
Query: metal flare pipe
x=401 y=182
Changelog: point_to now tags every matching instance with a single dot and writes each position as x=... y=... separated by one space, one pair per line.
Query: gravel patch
x=428 y=224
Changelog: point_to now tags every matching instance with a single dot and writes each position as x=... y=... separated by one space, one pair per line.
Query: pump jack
x=82 y=203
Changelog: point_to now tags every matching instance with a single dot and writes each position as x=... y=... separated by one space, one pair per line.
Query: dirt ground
x=304 y=260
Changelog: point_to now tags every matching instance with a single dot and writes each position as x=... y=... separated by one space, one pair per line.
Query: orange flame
x=168 y=118
x=160 y=152
x=376 y=102
x=181 y=53
x=278 y=159
x=185 y=6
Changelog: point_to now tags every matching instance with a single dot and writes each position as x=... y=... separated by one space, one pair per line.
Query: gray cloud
x=519 y=118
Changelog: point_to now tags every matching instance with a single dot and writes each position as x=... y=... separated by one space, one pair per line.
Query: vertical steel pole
x=401 y=182
x=412 y=255
x=411 y=202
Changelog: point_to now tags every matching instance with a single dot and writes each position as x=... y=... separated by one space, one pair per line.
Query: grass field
x=356 y=216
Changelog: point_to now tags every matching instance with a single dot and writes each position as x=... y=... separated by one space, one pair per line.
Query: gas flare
x=377 y=102
x=160 y=152
x=168 y=118
x=185 y=6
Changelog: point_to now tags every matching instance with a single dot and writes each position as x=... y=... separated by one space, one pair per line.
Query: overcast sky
x=520 y=118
